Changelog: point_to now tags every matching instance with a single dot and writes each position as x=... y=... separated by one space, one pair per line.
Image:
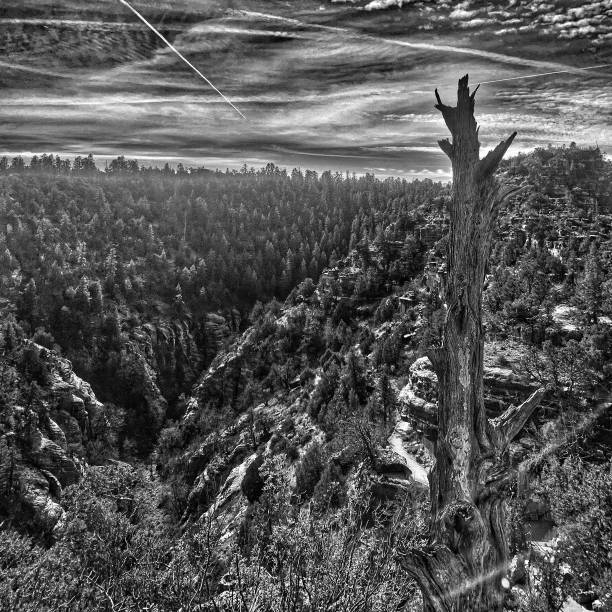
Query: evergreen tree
x=589 y=294
x=386 y=398
x=82 y=300
x=97 y=299
x=28 y=303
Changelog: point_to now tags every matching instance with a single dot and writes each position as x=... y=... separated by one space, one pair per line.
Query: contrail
x=533 y=76
x=497 y=57
x=295 y=152
x=175 y=50
x=34 y=70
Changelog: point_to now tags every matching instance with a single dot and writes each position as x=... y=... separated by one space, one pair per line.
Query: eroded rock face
x=230 y=502
x=502 y=388
x=34 y=469
x=224 y=377
x=42 y=445
x=171 y=351
x=419 y=397
x=222 y=471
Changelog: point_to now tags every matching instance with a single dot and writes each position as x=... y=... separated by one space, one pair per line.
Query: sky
x=342 y=85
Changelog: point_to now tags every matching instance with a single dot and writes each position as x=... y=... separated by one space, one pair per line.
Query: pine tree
x=82 y=300
x=354 y=375
x=387 y=399
x=589 y=292
x=28 y=303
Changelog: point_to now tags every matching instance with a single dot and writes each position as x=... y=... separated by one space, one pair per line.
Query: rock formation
x=43 y=444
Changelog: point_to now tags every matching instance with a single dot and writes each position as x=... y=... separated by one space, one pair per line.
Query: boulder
x=586 y=598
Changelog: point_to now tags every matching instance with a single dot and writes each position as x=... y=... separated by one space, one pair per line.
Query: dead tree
x=467 y=556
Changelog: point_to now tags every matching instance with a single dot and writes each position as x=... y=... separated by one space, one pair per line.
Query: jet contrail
x=533 y=76
x=175 y=50
x=497 y=57
x=34 y=70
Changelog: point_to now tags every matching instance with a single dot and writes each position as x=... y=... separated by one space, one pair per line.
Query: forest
x=108 y=266
x=214 y=395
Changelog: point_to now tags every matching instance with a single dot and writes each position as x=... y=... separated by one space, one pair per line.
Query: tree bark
x=467 y=556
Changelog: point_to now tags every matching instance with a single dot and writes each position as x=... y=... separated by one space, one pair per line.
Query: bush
x=306 y=288
x=281 y=444
x=320 y=558
x=117 y=552
x=580 y=495
x=329 y=491
x=44 y=338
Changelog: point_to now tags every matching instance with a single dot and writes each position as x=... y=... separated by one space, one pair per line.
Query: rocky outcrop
x=418 y=397
x=208 y=466
x=218 y=330
x=72 y=403
x=230 y=504
x=34 y=469
x=502 y=388
x=222 y=470
x=225 y=376
x=42 y=443
x=170 y=348
x=151 y=393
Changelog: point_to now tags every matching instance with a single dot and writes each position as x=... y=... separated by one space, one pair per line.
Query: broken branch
x=488 y=164
x=447 y=147
x=509 y=424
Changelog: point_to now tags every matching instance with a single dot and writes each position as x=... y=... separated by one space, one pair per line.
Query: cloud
x=340 y=88
x=461 y=13
x=378 y=5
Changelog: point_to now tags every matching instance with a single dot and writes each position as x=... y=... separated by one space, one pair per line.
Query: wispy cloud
x=339 y=87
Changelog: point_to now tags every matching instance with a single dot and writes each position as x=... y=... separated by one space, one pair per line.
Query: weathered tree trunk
x=467 y=557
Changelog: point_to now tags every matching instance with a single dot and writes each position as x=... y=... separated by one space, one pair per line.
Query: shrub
x=580 y=495
x=116 y=552
x=323 y=558
x=281 y=444
x=329 y=491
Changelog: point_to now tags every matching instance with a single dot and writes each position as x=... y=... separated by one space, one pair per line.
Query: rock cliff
x=44 y=435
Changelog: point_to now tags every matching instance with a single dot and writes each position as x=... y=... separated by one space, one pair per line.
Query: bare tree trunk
x=467 y=557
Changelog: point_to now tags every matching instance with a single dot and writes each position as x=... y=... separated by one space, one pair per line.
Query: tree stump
x=467 y=556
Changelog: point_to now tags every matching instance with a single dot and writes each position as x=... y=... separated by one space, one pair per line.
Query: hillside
x=293 y=474
x=139 y=276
